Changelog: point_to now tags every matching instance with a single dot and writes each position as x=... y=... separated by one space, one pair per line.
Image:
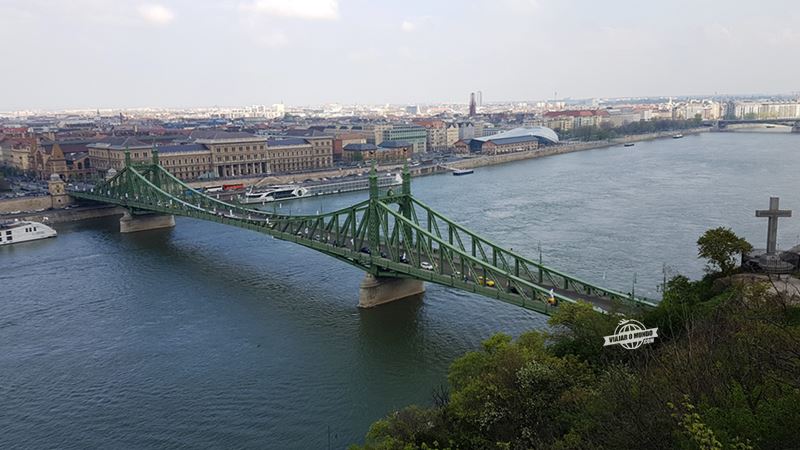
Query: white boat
x=677 y=136
x=338 y=186
x=274 y=193
x=24 y=231
x=351 y=184
x=459 y=172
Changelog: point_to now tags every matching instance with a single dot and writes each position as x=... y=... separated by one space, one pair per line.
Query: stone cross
x=772 y=224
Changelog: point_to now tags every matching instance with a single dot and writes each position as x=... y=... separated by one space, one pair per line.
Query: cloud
x=408 y=26
x=296 y=9
x=156 y=14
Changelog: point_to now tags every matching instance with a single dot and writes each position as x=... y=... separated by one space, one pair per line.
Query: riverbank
x=464 y=163
x=489 y=160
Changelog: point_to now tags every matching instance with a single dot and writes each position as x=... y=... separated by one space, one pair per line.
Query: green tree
x=720 y=246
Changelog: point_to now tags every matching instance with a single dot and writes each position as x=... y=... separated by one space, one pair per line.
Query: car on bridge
x=485 y=282
x=426 y=265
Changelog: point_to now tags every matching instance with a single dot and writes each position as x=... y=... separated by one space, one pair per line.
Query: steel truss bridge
x=793 y=122
x=391 y=234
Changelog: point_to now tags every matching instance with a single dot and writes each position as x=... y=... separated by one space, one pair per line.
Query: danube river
x=208 y=336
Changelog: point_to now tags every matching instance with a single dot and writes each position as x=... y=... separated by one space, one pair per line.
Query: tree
x=720 y=246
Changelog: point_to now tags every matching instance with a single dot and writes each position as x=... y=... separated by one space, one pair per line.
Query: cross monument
x=772 y=223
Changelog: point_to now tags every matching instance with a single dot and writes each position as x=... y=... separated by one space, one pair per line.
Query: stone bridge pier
x=376 y=291
x=131 y=223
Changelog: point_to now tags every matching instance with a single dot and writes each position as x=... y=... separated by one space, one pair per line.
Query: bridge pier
x=376 y=291
x=130 y=223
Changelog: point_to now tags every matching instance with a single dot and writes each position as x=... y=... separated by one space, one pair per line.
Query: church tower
x=57 y=163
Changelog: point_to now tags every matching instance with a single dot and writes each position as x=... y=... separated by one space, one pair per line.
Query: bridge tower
x=132 y=220
x=375 y=289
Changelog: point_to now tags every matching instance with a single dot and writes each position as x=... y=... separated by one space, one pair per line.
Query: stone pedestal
x=772 y=263
x=376 y=291
x=130 y=223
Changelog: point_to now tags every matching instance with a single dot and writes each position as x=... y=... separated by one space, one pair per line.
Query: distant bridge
x=791 y=122
x=394 y=237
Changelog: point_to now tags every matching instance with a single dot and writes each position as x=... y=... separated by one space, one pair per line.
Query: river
x=209 y=336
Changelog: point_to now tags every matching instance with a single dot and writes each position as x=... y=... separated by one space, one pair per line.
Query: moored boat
x=677 y=136
x=459 y=172
x=273 y=193
x=628 y=144
x=341 y=185
x=24 y=231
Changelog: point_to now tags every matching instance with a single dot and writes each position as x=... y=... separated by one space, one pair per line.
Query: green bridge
x=396 y=239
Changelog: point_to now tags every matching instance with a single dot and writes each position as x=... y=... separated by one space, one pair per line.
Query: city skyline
x=88 y=54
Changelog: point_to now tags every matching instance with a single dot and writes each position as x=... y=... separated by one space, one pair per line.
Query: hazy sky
x=131 y=53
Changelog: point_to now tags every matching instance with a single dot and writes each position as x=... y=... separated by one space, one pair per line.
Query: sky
x=59 y=54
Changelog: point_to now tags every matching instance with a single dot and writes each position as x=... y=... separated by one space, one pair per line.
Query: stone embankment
x=52 y=216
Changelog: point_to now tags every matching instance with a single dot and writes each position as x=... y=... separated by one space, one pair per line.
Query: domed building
x=516 y=140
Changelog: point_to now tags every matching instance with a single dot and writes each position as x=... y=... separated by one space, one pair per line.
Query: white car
x=426 y=265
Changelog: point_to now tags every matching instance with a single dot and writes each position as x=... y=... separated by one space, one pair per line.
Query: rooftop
x=521 y=134
x=395 y=144
x=360 y=147
x=180 y=148
x=283 y=142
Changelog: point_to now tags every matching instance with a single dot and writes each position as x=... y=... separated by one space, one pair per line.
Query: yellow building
x=299 y=154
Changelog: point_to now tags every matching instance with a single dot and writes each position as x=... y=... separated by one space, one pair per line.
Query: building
x=568 y=119
x=436 y=134
x=292 y=154
x=343 y=139
x=212 y=153
x=388 y=151
x=186 y=161
x=473 y=110
x=46 y=164
x=466 y=130
x=395 y=150
x=767 y=110
x=78 y=165
x=21 y=158
x=14 y=152
x=109 y=153
x=452 y=135
x=6 y=158
x=516 y=140
x=373 y=131
x=416 y=135
x=234 y=154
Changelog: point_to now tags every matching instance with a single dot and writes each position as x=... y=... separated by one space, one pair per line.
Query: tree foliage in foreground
x=721 y=247
x=724 y=373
